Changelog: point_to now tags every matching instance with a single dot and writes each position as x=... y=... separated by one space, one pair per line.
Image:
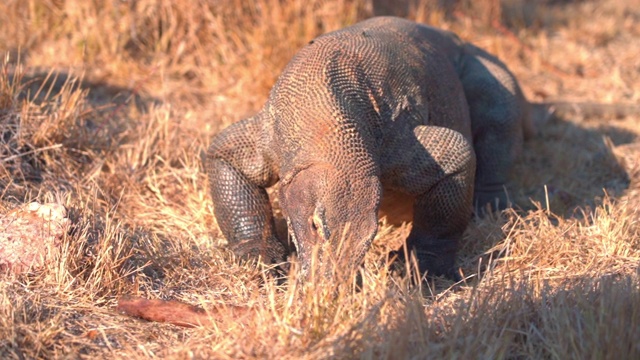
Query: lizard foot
x=273 y=255
x=431 y=264
x=487 y=201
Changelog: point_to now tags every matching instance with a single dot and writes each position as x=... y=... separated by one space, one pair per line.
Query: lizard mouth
x=292 y=235
x=348 y=254
x=300 y=249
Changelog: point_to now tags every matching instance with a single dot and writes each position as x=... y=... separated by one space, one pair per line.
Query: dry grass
x=106 y=108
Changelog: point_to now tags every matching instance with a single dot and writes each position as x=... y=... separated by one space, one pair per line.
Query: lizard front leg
x=239 y=173
x=438 y=170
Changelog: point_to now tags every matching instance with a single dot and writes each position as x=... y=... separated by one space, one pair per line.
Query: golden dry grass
x=106 y=107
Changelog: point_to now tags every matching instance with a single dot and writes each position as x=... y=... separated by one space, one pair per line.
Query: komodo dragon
x=386 y=108
x=385 y=114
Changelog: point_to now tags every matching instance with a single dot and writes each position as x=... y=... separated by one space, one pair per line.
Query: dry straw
x=109 y=106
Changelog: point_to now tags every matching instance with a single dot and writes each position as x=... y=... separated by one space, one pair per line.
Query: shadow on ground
x=42 y=84
x=569 y=166
x=33 y=138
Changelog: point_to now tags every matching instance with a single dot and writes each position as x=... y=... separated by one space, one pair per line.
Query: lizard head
x=332 y=216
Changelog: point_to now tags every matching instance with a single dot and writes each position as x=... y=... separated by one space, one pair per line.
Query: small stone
x=30 y=235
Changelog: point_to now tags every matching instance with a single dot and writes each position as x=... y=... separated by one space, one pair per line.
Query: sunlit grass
x=135 y=91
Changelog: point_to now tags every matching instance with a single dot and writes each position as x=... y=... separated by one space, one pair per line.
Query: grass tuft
x=106 y=108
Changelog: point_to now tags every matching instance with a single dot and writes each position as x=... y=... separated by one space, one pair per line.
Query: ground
x=107 y=108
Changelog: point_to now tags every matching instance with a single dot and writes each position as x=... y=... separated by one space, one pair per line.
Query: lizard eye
x=314 y=224
x=318 y=225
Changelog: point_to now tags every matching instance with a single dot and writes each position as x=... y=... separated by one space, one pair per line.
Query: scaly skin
x=386 y=106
